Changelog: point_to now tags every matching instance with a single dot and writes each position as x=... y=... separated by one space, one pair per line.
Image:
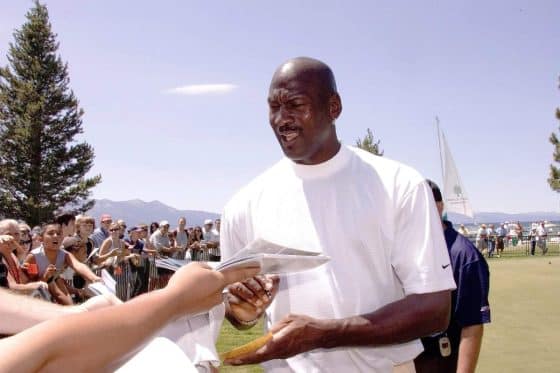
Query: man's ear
x=335 y=106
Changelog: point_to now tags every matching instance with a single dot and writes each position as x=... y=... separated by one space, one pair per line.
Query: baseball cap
x=163 y=222
x=208 y=221
x=105 y=217
x=70 y=242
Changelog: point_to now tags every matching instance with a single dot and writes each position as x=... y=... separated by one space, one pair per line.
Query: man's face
x=182 y=223
x=207 y=227
x=218 y=223
x=164 y=229
x=299 y=116
x=106 y=223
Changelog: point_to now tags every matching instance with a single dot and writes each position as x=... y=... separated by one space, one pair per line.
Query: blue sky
x=489 y=70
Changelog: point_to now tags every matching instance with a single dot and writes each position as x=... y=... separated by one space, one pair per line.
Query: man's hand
x=247 y=300
x=292 y=335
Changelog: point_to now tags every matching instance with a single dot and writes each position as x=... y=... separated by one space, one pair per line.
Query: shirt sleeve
x=233 y=230
x=472 y=306
x=419 y=256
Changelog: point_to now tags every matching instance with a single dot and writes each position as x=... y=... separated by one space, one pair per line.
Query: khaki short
x=407 y=367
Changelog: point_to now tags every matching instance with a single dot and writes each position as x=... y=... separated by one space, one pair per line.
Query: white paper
x=171 y=264
x=107 y=286
x=275 y=264
x=273 y=258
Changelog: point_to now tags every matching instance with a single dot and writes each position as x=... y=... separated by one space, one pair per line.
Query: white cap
x=208 y=221
x=163 y=222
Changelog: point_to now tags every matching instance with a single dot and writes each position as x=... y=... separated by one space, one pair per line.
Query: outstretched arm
x=113 y=332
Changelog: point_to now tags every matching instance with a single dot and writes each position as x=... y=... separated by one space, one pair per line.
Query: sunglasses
x=114 y=230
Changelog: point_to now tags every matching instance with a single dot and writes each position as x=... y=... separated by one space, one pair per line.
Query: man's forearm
x=469 y=348
x=415 y=316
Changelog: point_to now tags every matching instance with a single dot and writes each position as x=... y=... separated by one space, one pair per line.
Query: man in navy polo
x=457 y=349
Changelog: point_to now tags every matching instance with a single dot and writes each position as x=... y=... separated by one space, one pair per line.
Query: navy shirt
x=469 y=302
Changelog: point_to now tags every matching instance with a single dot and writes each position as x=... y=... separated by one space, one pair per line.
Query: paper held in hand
x=273 y=258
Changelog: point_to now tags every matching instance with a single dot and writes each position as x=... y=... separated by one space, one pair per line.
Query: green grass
x=524 y=335
x=231 y=338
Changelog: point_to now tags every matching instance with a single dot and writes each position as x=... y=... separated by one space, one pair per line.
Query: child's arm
x=80 y=268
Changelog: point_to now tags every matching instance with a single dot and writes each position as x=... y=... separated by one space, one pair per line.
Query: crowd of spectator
x=491 y=239
x=58 y=260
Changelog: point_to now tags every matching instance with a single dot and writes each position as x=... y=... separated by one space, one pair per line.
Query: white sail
x=454 y=193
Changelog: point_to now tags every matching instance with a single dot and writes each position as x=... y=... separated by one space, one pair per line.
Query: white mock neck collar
x=323 y=169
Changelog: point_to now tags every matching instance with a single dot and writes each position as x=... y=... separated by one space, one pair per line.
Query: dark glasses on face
x=114 y=230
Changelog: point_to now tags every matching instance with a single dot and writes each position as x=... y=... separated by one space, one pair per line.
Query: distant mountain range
x=137 y=211
x=500 y=217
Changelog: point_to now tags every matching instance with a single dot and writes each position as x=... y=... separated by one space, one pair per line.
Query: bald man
x=388 y=281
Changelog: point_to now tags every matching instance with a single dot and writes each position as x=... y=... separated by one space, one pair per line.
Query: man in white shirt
x=541 y=237
x=160 y=239
x=181 y=239
x=389 y=278
x=212 y=241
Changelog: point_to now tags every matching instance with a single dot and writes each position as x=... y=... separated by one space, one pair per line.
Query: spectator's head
x=85 y=225
x=208 y=223
x=24 y=234
x=197 y=232
x=106 y=221
x=51 y=236
x=11 y=228
x=67 y=222
x=483 y=226
x=71 y=244
x=182 y=223
x=122 y=226
x=164 y=226
x=217 y=224
x=35 y=237
x=134 y=233
x=491 y=226
x=115 y=231
x=143 y=230
x=154 y=227
x=437 y=196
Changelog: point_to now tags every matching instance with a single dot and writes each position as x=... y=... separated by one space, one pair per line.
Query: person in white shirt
x=389 y=278
x=541 y=237
x=181 y=239
x=482 y=238
x=160 y=239
x=211 y=240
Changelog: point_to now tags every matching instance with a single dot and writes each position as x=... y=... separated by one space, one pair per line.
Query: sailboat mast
x=440 y=153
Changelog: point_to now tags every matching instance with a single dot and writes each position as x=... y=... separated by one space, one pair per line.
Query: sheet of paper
x=275 y=263
x=107 y=286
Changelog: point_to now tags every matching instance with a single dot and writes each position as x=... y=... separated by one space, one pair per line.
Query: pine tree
x=369 y=144
x=42 y=165
x=554 y=178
